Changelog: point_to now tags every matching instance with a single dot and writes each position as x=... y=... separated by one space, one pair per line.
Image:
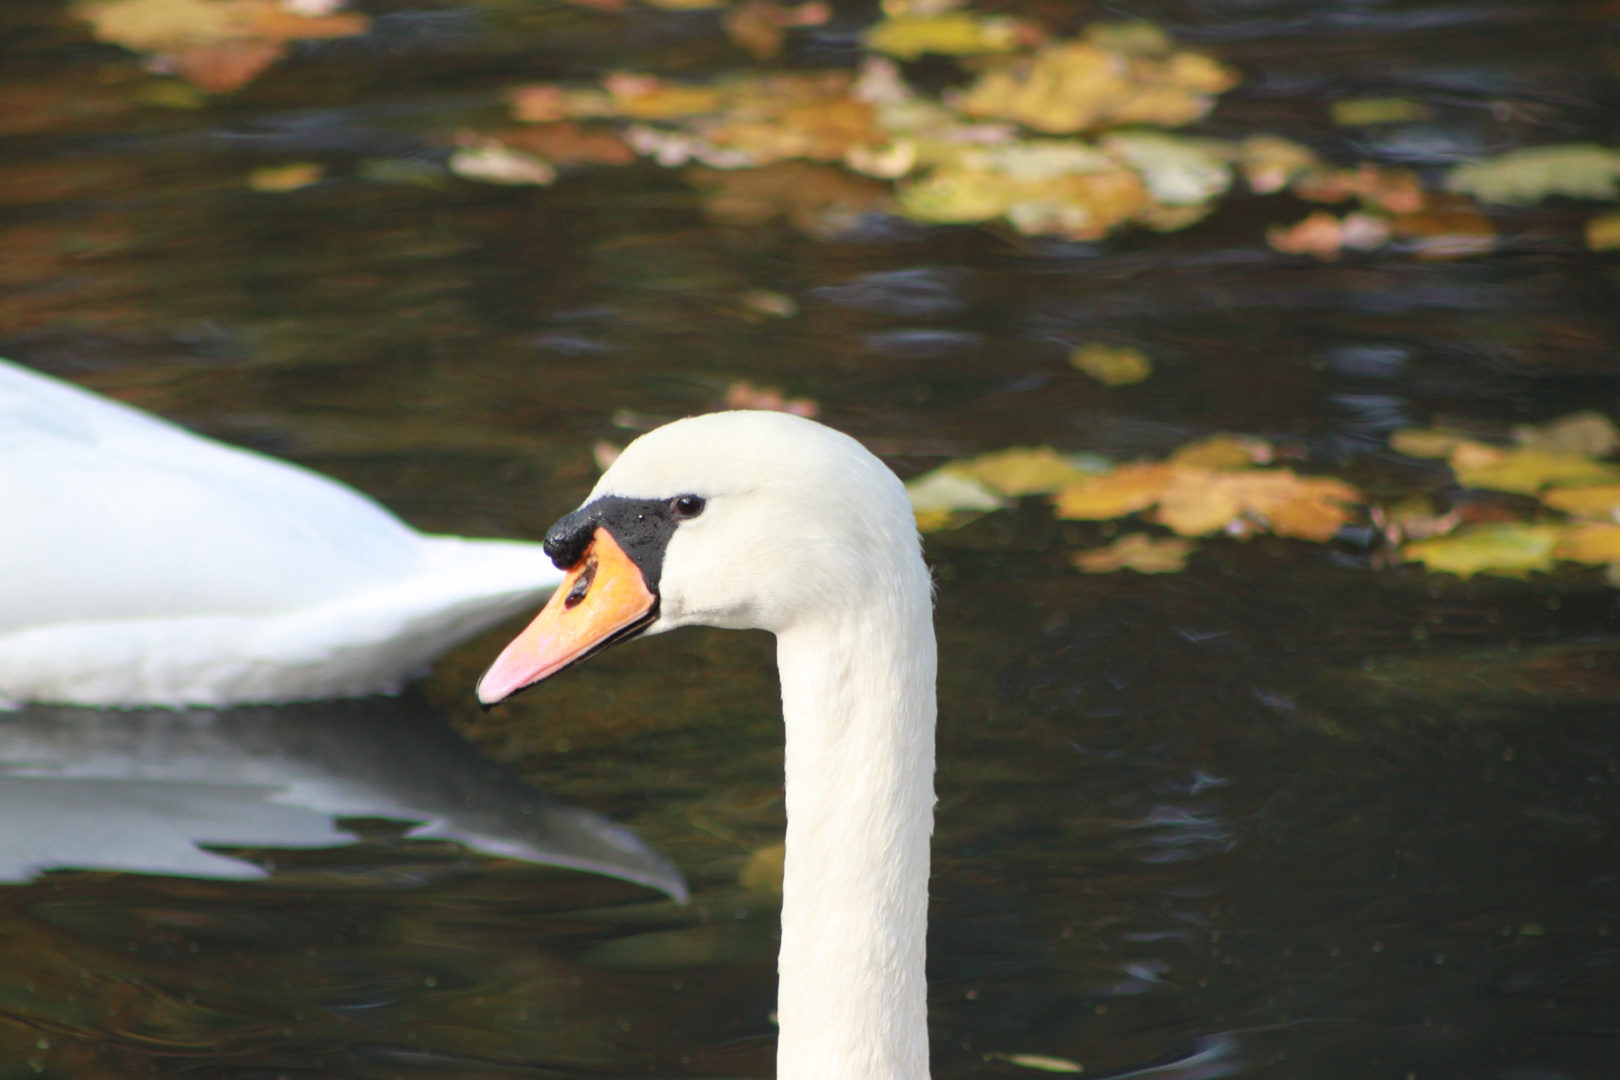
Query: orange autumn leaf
x=1126 y=490
x=1589 y=543
x=1139 y=552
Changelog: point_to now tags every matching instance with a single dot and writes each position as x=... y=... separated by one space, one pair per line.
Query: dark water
x=1287 y=814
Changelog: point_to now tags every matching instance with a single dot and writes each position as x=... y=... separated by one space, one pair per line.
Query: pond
x=1297 y=811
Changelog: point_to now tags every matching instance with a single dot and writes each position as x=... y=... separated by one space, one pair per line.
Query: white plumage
x=143 y=565
x=807 y=535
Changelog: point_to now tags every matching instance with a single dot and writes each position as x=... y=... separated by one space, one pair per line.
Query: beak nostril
x=582 y=585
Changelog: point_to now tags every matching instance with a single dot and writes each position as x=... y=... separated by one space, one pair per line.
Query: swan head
x=739 y=520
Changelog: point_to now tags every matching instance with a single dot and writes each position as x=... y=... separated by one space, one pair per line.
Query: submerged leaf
x=1139 y=552
x=1509 y=550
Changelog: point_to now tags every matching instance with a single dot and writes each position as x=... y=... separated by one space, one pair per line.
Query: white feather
x=144 y=565
x=808 y=535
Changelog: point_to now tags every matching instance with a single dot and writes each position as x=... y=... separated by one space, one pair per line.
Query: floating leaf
x=1528 y=471
x=1038 y=1061
x=1076 y=86
x=1360 y=112
x=1201 y=501
x=1113 y=365
x=1126 y=490
x=1603 y=232
x=1305 y=507
x=1509 y=550
x=1137 y=551
x=1588 y=433
x=743 y=394
x=279 y=178
x=948 y=490
x=1178 y=171
x=1452 y=232
x=1425 y=443
x=1081 y=206
x=1574 y=170
x=1270 y=162
x=956 y=33
x=490 y=162
x=217 y=45
x=1221 y=452
x=1326 y=236
x=1035 y=470
x=1196 y=502
x=1590 y=543
x=1601 y=503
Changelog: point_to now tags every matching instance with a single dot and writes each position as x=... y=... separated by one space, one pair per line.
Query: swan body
x=145 y=565
x=769 y=521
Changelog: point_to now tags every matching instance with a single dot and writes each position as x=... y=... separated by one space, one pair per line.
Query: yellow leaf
x=1590 y=543
x=491 y=162
x=1603 y=232
x=1223 y=452
x=1528 y=471
x=1039 y=1061
x=949 y=490
x=1589 y=433
x=278 y=178
x=1178 y=171
x=1424 y=443
x=763 y=870
x=162 y=25
x=1196 y=502
x=1126 y=490
x=1270 y=162
x=1601 y=503
x=1113 y=365
x=1504 y=550
x=955 y=33
x=1035 y=470
x=1139 y=552
x=1074 y=86
x=1358 y=112
x=1307 y=507
x=1575 y=170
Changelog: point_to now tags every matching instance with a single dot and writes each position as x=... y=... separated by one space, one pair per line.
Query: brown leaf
x=818 y=200
x=569 y=143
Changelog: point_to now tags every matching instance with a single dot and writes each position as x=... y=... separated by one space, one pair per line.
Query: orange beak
x=603 y=599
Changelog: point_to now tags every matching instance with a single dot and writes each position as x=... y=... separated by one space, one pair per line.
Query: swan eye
x=688 y=506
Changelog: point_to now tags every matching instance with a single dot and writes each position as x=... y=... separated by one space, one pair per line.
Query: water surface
x=1289 y=814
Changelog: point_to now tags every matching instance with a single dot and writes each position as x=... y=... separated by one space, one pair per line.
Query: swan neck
x=858 y=701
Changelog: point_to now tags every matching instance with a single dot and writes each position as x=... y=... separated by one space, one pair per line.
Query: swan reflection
x=161 y=792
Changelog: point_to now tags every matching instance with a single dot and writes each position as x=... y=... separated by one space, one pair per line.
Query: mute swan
x=769 y=521
x=144 y=565
x=141 y=790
